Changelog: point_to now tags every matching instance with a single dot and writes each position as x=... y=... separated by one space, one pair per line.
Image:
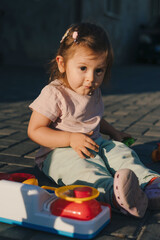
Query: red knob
x=82 y=192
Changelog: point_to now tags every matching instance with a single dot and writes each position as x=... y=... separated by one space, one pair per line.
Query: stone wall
x=123 y=29
x=30 y=30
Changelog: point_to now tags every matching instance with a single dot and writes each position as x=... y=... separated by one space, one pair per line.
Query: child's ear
x=60 y=63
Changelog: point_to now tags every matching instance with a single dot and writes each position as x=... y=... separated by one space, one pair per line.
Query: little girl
x=67 y=121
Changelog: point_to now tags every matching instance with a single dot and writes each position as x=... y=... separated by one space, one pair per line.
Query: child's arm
x=108 y=129
x=40 y=132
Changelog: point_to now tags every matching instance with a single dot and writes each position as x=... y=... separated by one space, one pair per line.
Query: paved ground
x=132 y=103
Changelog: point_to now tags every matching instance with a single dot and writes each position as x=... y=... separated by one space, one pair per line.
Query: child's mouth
x=88 y=87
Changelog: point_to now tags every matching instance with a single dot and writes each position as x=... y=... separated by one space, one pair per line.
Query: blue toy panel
x=51 y=230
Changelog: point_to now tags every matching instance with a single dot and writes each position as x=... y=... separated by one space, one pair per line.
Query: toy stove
x=71 y=210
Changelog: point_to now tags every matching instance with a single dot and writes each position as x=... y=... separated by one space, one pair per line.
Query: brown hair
x=88 y=35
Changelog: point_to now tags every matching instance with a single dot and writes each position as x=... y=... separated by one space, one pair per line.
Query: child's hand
x=120 y=136
x=81 y=142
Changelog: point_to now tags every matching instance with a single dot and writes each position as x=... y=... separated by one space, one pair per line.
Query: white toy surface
x=29 y=206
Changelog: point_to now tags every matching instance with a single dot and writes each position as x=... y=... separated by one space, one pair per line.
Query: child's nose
x=90 y=77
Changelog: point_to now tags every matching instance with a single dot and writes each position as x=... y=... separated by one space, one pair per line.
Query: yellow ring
x=60 y=192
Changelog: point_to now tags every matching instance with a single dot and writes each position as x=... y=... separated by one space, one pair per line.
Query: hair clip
x=75 y=35
x=65 y=35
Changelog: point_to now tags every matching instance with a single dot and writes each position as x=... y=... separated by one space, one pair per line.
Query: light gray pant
x=65 y=167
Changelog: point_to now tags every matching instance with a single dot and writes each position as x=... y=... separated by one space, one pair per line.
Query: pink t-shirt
x=68 y=111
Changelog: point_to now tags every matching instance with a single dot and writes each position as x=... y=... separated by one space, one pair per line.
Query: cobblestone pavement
x=132 y=104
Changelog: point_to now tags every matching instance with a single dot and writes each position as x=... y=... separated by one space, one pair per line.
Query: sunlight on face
x=85 y=70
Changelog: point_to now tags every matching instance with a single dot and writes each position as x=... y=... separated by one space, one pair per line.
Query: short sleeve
x=47 y=103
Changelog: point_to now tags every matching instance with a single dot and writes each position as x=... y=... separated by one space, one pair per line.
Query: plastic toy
x=72 y=211
x=128 y=141
x=156 y=154
x=19 y=177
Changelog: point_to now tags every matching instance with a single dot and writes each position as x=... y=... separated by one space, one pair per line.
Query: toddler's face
x=85 y=70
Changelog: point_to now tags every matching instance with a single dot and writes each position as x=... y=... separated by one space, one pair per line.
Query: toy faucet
x=128 y=141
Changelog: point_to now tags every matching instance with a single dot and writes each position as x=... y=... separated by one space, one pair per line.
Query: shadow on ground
x=133 y=79
x=19 y=83
x=144 y=152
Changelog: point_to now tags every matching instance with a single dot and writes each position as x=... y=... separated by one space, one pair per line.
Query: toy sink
x=34 y=207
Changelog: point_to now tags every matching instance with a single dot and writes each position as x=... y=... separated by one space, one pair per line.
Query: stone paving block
x=12 y=232
x=111 y=109
x=5 y=143
x=18 y=136
x=2 y=165
x=20 y=161
x=18 y=120
x=132 y=108
x=26 y=122
x=20 y=149
x=2 y=148
x=7 y=131
x=115 y=98
x=152 y=132
x=120 y=113
x=109 y=238
x=147 y=139
x=32 y=154
x=122 y=226
x=120 y=126
x=110 y=119
x=127 y=120
x=156 y=112
x=135 y=135
x=141 y=122
x=151 y=233
x=4 y=116
x=151 y=229
x=4 y=140
x=3 y=125
x=3 y=119
x=157 y=123
x=138 y=130
x=11 y=168
x=124 y=122
x=150 y=119
x=49 y=236
x=17 y=126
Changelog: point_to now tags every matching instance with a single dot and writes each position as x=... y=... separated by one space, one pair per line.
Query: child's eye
x=83 y=68
x=99 y=71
